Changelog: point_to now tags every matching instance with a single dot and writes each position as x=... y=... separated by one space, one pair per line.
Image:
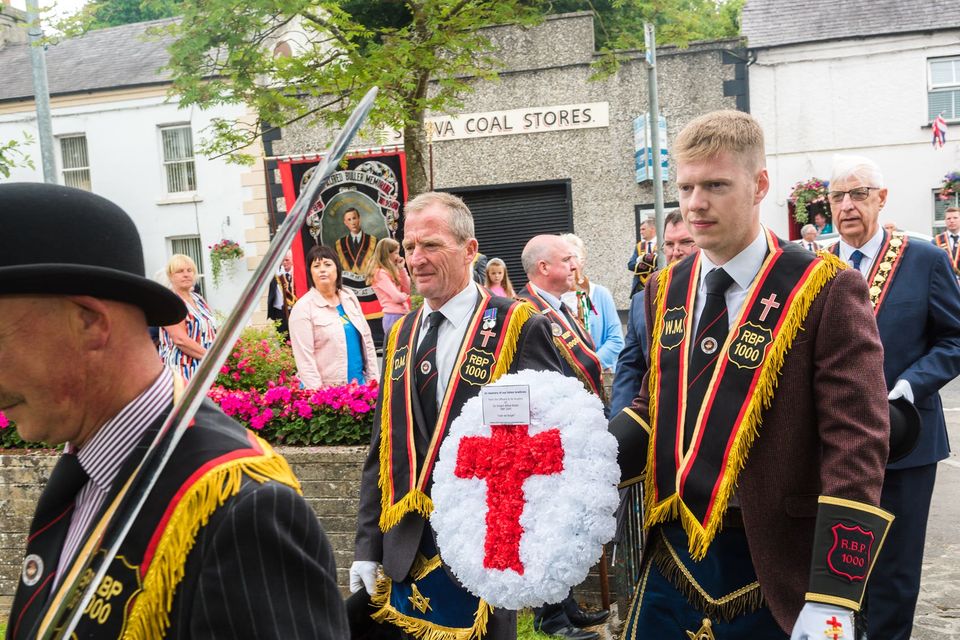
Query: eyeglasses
x=857 y=195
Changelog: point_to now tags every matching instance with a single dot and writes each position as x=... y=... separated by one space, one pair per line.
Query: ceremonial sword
x=134 y=494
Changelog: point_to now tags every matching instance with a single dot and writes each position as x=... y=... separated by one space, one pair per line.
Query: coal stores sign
x=513 y=121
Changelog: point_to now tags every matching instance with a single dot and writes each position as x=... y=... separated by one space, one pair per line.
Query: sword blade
x=158 y=454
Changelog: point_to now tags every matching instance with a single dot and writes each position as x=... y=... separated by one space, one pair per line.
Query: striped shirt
x=104 y=455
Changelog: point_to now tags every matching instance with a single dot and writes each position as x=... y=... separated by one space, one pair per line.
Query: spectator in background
x=497 y=280
x=809 y=238
x=331 y=341
x=822 y=223
x=281 y=296
x=593 y=306
x=183 y=344
x=391 y=282
x=949 y=240
x=632 y=363
x=644 y=259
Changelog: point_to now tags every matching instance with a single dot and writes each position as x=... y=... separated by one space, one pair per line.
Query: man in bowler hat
x=225 y=545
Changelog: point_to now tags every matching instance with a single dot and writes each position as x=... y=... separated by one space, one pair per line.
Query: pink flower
x=4 y=421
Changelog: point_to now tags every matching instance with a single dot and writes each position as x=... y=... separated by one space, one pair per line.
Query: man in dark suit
x=949 y=239
x=549 y=262
x=765 y=423
x=435 y=359
x=916 y=301
x=808 y=239
x=643 y=260
x=281 y=296
x=251 y=563
x=356 y=248
x=632 y=363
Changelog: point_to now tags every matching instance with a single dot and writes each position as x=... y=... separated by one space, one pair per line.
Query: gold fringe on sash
x=700 y=537
x=653 y=384
x=744 y=600
x=416 y=500
x=150 y=617
x=422 y=629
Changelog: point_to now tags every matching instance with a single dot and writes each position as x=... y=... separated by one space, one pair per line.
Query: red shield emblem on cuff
x=850 y=554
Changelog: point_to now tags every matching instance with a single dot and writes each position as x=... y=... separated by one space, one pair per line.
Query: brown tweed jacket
x=826 y=432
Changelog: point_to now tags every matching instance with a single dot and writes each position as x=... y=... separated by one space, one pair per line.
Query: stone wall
x=330 y=477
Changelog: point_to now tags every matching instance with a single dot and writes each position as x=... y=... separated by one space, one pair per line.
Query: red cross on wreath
x=504 y=460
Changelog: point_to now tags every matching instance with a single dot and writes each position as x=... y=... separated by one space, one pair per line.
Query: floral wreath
x=951 y=186
x=805 y=193
x=566 y=514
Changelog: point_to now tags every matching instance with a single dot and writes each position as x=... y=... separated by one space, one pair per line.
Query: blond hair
x=381 y=260
x=178 y=261
x=717 y=132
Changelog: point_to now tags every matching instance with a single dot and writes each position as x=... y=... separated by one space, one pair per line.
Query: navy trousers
x=895 y=581
x=660 y=610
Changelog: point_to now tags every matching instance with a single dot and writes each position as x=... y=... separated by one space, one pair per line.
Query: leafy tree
x=423 y=54
x=12 y=155
x=223 y=53
x=98 y=14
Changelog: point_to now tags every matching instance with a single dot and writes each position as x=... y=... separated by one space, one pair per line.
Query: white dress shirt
x=743 y=268
x=456 y=316
x=553 y=300
x=870 y=249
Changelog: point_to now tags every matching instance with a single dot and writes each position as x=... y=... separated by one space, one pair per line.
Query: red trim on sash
x=255 y=450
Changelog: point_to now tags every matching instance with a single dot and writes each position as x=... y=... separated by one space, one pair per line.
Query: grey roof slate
x=771 y=23
x=111 y=58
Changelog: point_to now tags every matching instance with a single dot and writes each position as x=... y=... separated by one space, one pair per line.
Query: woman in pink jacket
x=391 y=282
x=331 y=340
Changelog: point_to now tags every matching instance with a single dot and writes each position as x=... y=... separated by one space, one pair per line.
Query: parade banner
x=359 y=205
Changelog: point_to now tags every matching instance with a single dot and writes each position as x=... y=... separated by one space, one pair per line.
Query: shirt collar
x=356 y=236
x=551 y=299
x=103 y=455
x=743 y=267
x=457 y=309
x=870 y=249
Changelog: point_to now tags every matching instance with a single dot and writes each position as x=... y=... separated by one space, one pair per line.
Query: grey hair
x=863 y=169
x=578 y=246
x=459 y=218
x=807 y=227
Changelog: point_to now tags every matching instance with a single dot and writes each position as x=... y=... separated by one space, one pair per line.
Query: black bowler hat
x=904 y=429
x=63 y=241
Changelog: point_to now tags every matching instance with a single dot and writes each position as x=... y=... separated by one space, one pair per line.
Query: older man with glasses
x=916 y=302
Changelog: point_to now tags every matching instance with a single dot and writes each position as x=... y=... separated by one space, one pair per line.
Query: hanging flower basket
x=951 y=186
x=223 y=254
x=807 y=195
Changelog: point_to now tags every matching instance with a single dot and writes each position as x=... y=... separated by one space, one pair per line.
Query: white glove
x=363 y=573
x=901 y=390
x=818 y=621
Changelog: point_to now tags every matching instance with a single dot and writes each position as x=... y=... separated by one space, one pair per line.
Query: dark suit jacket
x=262 y=566
x=632 y=363
x=396 y=549
x=825 y=433
x=919 y=324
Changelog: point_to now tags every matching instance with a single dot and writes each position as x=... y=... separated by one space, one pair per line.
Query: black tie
x=427 y=371
x=710 y=335
x=954 y=238
x=47 y=534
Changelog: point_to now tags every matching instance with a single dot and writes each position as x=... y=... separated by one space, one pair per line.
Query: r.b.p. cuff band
x=846 y=544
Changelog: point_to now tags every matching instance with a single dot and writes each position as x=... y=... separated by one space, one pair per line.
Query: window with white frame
x=178 y=162
x=191 y=246
x=74 y=161
x=943 y=81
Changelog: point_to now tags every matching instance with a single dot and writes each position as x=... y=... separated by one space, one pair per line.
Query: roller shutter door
x=507 y=216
